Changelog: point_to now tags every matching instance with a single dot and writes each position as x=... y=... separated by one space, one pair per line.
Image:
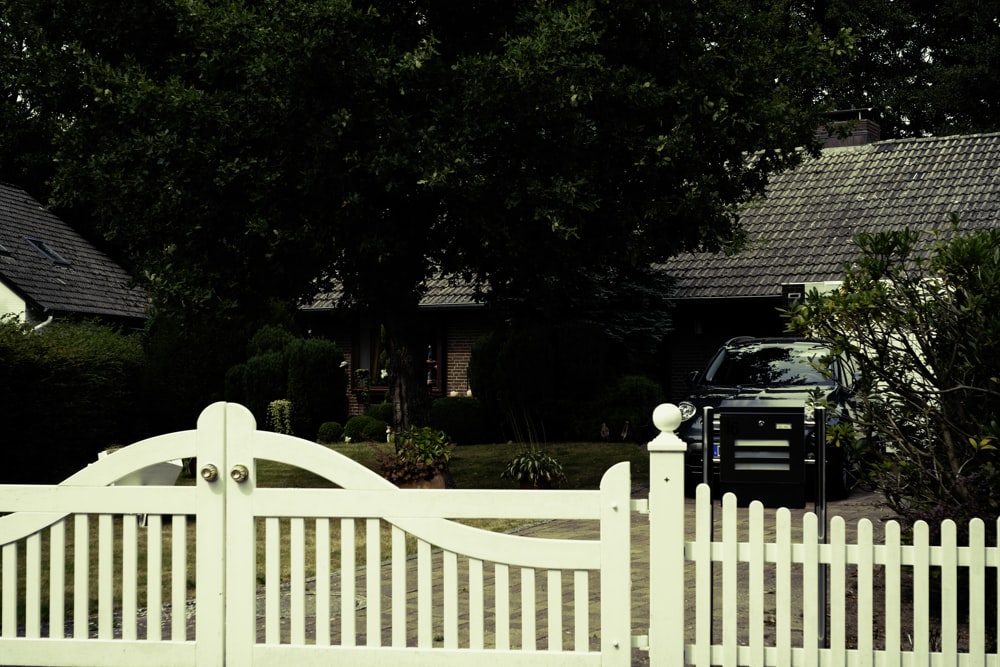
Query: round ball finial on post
x=667 y=417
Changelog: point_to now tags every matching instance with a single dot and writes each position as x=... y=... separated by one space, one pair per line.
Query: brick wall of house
x=462 y=333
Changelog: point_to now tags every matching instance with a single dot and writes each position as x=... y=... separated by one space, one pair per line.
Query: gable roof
x=441 y=293
x=803 y=230
x=54 y=269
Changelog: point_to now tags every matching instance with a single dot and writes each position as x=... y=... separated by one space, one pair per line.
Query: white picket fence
x=229 y=573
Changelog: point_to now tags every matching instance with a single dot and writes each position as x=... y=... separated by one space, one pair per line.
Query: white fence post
x=666 y=539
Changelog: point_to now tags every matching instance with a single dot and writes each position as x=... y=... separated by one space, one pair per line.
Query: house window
x=372 y=365
x=46 y=251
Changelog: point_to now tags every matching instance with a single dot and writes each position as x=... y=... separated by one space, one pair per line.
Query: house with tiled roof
x=451 y=320
x=801 y=234
x=48 y=270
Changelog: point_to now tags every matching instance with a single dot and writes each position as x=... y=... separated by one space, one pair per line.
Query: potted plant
x=534 y=469
x=418 y=458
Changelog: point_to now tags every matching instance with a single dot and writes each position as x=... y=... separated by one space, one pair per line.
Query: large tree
x=926 y=68
x=547 y=151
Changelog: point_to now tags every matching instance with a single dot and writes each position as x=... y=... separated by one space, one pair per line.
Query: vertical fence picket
x=322 y=582
x=528 y=609
x=399 y=601
x=33 y=586
x=893 y=604
x=373 y=581
x=272 y=580
x=838 y=590
x=322 y=555
x=348 y=594
x=8 y=607
x=949 y=587
x=703 y=576
x=810 y=589
x=450 y=601
x=105 y=576
x=154 y=577
x=977 y=591
x=297 y=579
x=501 y=605
x=921 y=592
x=555 y=620
x=783 y=585
x=866 y=582
x=178 y=577
x=476 y=604
x=756 y=584
x=730 y=581
x=81 y=576
x=57 y=580
x=425 y=584
x=581 y=610
x=130 y=575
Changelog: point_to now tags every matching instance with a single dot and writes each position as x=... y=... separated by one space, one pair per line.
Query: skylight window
x=46 y=251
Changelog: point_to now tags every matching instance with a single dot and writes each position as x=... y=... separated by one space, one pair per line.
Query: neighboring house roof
x=54 y=269
x=803 y=230
x=441 y=293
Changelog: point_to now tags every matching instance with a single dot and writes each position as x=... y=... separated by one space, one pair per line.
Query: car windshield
x=768 y=365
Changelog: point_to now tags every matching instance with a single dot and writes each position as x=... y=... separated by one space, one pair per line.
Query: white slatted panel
x=783 y=586
x=838 y=589
x=921 y=592
x=730 y=580
x=297 y=577
x=555 y=603
x=810 y=590
x=893 y=604
x=450 y=598
x=756 y=584
x=866 y=603
x=529 y=631
x=949 y=588
x=703 y=577
x=105 y=576
x=476 y=605
x=977 y=591
x=581 y=611
x=501 y=606
x=425 y=589
x=9 y=603
x=399 y=601
x=130 y=576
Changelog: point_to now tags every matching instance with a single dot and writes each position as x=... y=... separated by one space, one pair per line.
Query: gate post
x=666 y=539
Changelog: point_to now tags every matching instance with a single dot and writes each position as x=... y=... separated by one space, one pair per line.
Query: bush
x=381 y=411
x=420 y=453
x=329 y=433
x=316 y=384
x=265 y=380
x=69 y=391
x=923 y=330
x=627 y=408
x=361 y=428
x=461 y=416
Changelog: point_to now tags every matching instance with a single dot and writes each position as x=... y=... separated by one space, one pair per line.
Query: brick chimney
x=858 y=123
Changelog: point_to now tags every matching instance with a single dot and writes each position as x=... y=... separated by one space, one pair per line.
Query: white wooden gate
x=186 y=588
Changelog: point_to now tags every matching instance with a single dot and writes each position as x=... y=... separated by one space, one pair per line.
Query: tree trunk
x=407 y=386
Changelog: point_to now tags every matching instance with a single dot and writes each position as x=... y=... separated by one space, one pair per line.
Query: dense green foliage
x=330 y=433
x=317 y=384
x=68 y=391
x=923 y=67
x=305 y=371
x=921 y=320
x=626 y=407
x=364 y=428
x=236 y=152
x=462 y=417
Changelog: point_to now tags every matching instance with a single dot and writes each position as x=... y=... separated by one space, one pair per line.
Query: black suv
x=750 y=373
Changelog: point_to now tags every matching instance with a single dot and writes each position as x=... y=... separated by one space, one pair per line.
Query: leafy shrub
x=461 y=416
x=316 y=384
x=69 y=391
x=279 y=416
x=265 y=380
x=361 y=428
x=420 y=453
x=627 y=408
x=920 y=320
x=269 y=338
x=381 y=411
x=329 y=433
